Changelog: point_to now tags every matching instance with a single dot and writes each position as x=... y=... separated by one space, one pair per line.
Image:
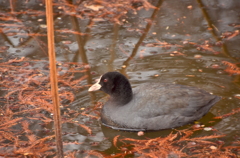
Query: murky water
x=181 y=42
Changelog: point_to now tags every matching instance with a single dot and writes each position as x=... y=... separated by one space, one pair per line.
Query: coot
x=152 y=106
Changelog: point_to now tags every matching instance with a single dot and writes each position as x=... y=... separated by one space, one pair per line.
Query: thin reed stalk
x=53 y=78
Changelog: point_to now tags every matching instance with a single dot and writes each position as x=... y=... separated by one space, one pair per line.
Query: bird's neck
x=122 y=94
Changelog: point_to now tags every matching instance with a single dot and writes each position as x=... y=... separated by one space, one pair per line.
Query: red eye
x=105 y=80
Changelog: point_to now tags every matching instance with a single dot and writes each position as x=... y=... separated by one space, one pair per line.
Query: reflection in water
x=144 y=34
x=113 y=46
x=214 y=30
x=82 y=52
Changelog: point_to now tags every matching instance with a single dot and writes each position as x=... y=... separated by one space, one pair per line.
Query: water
x=178 y=43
